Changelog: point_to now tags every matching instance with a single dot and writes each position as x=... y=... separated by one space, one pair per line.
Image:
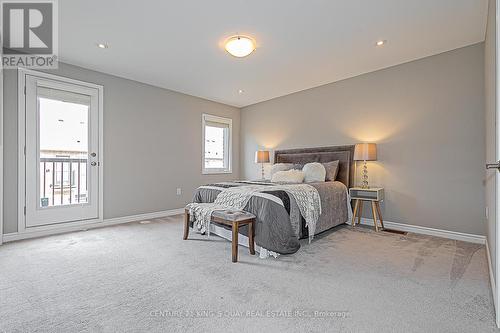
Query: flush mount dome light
x=240 y=46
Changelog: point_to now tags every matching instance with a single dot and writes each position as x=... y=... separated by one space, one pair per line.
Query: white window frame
x=222 y=120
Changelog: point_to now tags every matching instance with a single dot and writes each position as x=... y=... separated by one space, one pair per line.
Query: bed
x=279 y=222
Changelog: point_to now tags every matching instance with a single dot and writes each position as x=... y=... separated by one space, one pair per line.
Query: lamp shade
x=262 y=156
x=365 y=152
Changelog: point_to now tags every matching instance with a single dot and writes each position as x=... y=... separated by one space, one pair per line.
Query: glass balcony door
x=62 y=152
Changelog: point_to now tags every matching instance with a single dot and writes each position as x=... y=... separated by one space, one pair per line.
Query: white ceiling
x=301 y=43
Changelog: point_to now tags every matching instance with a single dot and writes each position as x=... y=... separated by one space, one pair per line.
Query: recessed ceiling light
x=241 y=91
x=102 y=45
x=240 y=46
x=380 y=42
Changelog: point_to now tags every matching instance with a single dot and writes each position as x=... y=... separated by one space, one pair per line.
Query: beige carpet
x=143 y=277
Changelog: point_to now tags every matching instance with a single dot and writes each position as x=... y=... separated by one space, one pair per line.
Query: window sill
x=216 y=172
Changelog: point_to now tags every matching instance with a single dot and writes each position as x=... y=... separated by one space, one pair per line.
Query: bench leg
x=186 y=225
x=251 y=244
x=235 y=242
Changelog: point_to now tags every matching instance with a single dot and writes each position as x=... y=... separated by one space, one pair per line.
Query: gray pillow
x=332 y=169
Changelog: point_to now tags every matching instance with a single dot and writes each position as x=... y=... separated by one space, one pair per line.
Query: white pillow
x=289 y=177
x=280 y=167
x=314 y=172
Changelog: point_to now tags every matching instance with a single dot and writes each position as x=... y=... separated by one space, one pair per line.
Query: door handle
x=93 y=163
x=493 y=165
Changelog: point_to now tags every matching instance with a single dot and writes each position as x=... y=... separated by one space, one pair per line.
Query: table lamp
x=365 y=152
x=262 y=156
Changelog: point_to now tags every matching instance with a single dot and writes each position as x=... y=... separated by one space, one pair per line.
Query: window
x=216 y=144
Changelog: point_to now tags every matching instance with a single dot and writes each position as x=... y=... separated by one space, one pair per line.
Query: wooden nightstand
x=375 y=195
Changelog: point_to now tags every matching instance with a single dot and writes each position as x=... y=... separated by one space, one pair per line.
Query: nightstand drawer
x=373 y=194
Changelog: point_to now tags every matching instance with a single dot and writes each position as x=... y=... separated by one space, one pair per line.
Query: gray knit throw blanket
x=236 y=198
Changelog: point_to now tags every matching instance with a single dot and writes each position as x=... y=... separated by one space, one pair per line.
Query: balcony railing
x=63 y=181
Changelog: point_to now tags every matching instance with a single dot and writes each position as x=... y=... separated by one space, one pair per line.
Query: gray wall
x=427 y=117
x=152 y=145
x=490 y=93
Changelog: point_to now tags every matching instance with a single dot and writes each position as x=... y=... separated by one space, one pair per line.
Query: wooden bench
x=233 y=218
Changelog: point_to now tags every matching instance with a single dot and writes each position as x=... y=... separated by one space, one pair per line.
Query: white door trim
x=21 y=105
x=497 y=144
x=1 y=153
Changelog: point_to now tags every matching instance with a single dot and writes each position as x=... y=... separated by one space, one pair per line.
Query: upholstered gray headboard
x=322 y=154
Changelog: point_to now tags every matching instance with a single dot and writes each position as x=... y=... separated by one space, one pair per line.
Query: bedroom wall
x=152 y=145
x=427 y=117
x=490 y=94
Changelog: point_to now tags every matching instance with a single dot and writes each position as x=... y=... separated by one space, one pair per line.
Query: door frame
x=21 y=105
x=496 y=296
x=2 y=126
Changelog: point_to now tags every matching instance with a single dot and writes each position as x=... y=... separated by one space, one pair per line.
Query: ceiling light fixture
x=240 y=46
x=102 y=45
x=241 y=91
x=380 y=42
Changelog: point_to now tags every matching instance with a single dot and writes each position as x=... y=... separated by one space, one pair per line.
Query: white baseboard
x=140 y=217
x=429 y=231
x=492 y=277
x=15 y=236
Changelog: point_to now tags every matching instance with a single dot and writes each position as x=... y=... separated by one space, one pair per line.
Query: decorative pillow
x=332 y=169
x=281 y=167
x=314 y=172
x=291 y=176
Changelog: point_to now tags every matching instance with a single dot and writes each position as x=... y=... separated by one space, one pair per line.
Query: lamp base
x=365 y=184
